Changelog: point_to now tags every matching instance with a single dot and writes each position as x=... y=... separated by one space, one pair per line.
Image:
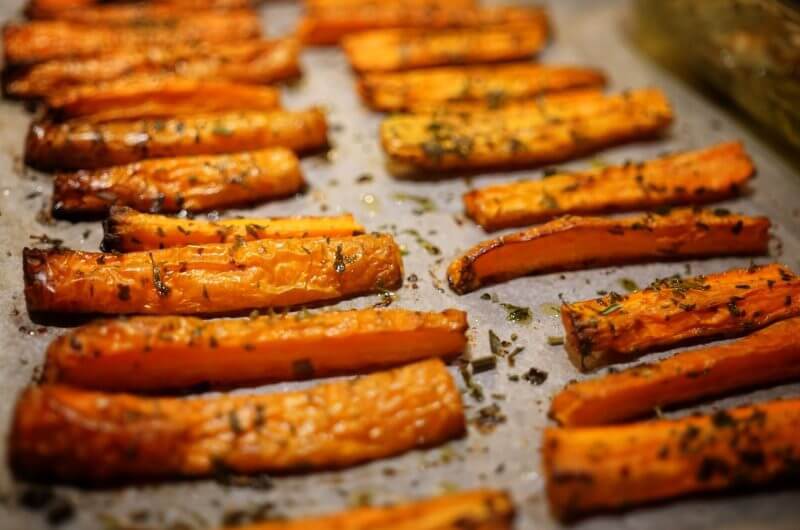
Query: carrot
x=693 y=177
x=403 y=49
x=768 y=356
x=518 y=138
x=675 y=310
x=395 y=91
x=65 y=434
x=252 y=61
x=81 y=144
x=329 y=24
x=584 y=242
x=563 y=104
x=474 y=510
x=172 y=353
x=38 y=41
x=127 y=230
x=207 y=279
x=150 y=15
x=58 y=8
x=595 y=469
x=194 y=184
x=162 y=96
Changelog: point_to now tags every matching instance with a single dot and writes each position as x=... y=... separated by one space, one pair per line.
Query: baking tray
x=590 y=33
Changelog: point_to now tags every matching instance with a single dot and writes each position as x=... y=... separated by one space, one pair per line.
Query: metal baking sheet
x=587 y=32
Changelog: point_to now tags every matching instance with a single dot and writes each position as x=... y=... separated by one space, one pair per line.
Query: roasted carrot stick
x=473 y=510
x=127 y=230
x=554 y=105
x=207 y=279
x=160 y=96
x=583 y=242
x=254 y=61
x=38 y=41
x=675 y=310
x=58 y=8
x=402 y=49
x=81 y=144
x=328 y=24
x=151 y=15
x=169 y=185
x=606 y=468
x=66 y=434
x=508 y=138
x=768 y=356
x=693 y=177
x=173 y=353
x=492 y=84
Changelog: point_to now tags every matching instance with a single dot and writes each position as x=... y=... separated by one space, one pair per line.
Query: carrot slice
x=594 y=469
x=493 y=84
x=81 y=144
x=519 y=137
x=693 y=177
x=253 y=61
x=584 y=242
x=66 y=434
x=768 y=356
x=127 y=230
x=674 y=310
x=161 y=96
x=194 y=184
x=329 y=24
x=173 y=353
x=38 y=41
x=403 y=49
x=209 y=279
x=473 y=510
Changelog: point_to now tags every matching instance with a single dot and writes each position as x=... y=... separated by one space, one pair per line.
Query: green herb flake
x=483 y=364
x=628 y=284
x=555 y=341
x=518 y=314
x=495 y=344
x=613 y=308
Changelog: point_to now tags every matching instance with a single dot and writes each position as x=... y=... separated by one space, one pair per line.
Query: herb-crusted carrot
x=173 y=353
x=328 y=24
x=518 y=137
x=127 y=230
x=693 y=177
x=253 y=61
x=403 y=49
x=492 y=84
x=672 y=311
x=594 y=469
x=39 y=41
x=58 y=8
x=473 y=510
x=207 y=279
x=161 y=96
x=81 y=144
x=583 y=242
x=169 y=185
x=66 y=434
x=150 y=15
x=768 y=356
x=553 y=105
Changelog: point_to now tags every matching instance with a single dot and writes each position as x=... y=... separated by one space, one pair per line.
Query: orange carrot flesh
x=693 y=177
x=475 y=510
x=594 y=469
x=173 y=353
x=768 y=356
x=519 y=138
x=583 y=242
x=65 y=434
x=161 y=96
x=675 y=310
x=253 y=62
x=404 y=90
x=39 y=41
x=81 y=144
x=127 y=230
x=392 y=49
x=329 y=24
x=169 y=185
x=221 y=278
